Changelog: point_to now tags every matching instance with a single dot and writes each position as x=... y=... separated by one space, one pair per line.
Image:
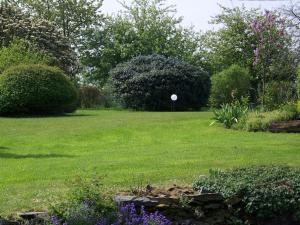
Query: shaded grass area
x=39 y=155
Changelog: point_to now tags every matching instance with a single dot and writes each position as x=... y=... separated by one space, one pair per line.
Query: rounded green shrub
x=147 y=83
x=35 y=90
x=230 y=85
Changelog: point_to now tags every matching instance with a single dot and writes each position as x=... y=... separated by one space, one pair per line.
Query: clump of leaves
x=263 y=192
x=230 y=114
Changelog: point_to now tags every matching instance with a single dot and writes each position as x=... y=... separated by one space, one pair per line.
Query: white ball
x=174 y=97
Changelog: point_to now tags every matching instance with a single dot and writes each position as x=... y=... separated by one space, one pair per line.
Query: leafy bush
x=21 y=52
x=229 y=85
x=298 y=107
x=278 y=93
x=147 y=82
x=90 y=96
x=261 y=192
x=35 y=89
x=261 y=121
x=230 y=114
x=85 y=204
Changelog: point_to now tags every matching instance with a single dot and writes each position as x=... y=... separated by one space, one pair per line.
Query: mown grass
x=38 y=156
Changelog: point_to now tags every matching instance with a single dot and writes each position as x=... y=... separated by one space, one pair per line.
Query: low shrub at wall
x=36 y=90
x=147 y=83
x=86 y=204
x=261 y=121
x=257 y=193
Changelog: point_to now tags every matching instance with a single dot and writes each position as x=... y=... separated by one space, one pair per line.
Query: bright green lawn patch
x=38 y=155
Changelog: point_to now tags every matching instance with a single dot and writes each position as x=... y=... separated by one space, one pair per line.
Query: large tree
x=145 y=27
x=73 y=17
x=15 y=23
x=273 y=59
x=237 y=42
x=233 y=42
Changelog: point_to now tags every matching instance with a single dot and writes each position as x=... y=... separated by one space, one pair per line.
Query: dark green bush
x=262 y=192
x=147 y=83
x=35 y=89
x=22 y=52
x=229 y=85
x=90 y=97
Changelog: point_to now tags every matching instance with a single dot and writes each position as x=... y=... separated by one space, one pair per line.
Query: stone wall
x=184 y=206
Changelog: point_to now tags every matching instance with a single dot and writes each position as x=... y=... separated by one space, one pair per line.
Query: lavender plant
x=128 y=215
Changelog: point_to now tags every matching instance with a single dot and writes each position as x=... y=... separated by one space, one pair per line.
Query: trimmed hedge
x=230 y=85
x=147 y=83
x=35 y=90
x=258 y=192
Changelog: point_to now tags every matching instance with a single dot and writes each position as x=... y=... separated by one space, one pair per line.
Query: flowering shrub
x=126 y=215
x=271 y=47
x=86 y=205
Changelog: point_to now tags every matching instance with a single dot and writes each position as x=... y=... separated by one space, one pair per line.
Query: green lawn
x=38 y=155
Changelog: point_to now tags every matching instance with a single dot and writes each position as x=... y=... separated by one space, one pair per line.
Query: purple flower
x=128 y=215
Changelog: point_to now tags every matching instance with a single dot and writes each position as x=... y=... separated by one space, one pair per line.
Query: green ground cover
x=39 y=155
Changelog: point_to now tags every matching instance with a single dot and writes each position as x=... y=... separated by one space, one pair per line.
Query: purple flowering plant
x=127 y=215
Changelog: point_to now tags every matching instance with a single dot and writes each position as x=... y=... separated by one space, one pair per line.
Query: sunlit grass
x=39 y=155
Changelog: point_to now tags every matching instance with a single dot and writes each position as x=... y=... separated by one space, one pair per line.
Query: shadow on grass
x=44 y=116
x=7 y=155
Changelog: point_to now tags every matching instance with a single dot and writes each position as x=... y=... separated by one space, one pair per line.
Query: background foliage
x=143 y=28
x=232 y=84
x=147 y=82
x=22 y=52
